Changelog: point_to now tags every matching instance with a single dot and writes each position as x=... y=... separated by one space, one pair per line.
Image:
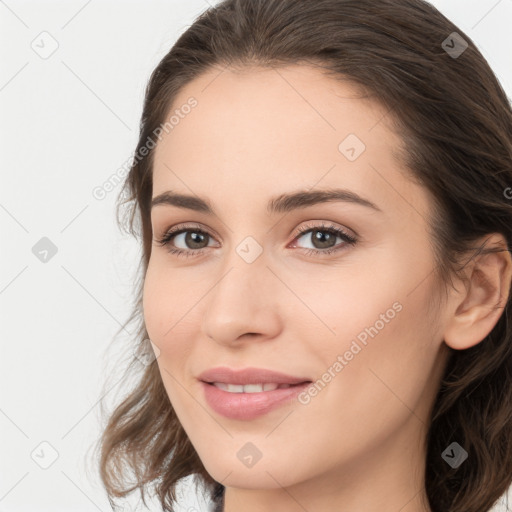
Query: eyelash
x=177 y=230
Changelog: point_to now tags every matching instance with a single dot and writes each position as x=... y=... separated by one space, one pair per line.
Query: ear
x=478 y=308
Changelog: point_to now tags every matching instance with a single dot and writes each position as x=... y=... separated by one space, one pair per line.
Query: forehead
x=261 y=130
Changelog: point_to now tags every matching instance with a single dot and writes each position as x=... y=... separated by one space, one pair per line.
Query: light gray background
x=68 y=122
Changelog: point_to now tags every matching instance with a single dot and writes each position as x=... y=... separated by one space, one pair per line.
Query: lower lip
x=247 y=406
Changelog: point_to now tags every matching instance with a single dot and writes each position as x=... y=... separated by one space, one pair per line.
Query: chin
x=260 y=476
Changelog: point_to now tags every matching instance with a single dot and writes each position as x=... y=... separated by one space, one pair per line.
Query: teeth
x=249 y=388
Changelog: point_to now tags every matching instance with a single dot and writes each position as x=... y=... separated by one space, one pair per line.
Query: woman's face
x=279 y=289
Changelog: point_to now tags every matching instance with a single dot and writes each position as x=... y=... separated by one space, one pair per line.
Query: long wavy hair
x=456 y=123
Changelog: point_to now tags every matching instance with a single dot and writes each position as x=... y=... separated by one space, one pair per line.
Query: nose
x=242 y=305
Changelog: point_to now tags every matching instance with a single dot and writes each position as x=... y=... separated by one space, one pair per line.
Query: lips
x=250 y=388
x=249 y=393
x=249 y=376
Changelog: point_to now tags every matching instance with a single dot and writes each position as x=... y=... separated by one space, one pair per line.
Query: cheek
x=393 y=361
x=154 y=305
x=376 y=319
x=162 y=313
x=160 y=304
x=339 y=308
x=169 y=317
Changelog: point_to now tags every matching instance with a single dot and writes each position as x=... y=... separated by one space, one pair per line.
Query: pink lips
x=247 y=406
x=248 y=376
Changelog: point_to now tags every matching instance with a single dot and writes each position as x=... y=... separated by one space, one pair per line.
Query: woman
x=321 y=193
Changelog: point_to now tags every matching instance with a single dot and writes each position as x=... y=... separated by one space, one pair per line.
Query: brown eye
x=323 y=238
x=185 y=240
x=194 y=239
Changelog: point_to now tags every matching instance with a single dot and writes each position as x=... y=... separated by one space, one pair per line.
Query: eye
x=193 y=237
x=323 y=238
x=195 y=240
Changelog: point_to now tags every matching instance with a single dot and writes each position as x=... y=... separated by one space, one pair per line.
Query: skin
x=359 y=444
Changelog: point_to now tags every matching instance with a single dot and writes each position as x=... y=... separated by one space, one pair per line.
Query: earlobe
x=477 y=309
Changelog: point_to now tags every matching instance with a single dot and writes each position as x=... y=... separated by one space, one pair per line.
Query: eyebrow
x=279 y=204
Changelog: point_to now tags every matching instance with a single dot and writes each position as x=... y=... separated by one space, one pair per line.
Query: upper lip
x=248 y=376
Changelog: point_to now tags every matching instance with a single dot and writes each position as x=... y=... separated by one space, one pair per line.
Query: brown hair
x=456 y=124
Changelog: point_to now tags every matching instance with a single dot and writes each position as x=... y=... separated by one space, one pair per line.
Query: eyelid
x=324 y=225
x=341 y=232
x=184 y=226
x=313 y=224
